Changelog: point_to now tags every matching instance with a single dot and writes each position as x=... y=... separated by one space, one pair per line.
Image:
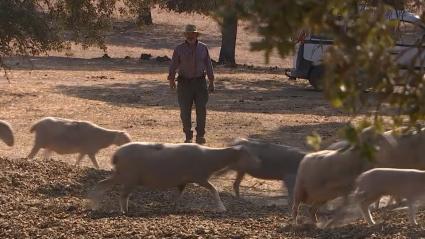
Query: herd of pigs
x=311 y=178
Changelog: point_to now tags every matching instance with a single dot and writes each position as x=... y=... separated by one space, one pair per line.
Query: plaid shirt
x=191 y=61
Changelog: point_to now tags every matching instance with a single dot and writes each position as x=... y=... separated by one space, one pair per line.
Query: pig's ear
x=240 y=147
x=237 y=141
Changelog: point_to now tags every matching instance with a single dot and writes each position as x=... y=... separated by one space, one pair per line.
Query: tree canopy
x=31 y=27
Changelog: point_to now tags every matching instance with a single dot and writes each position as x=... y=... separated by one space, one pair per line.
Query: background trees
x=31 y=27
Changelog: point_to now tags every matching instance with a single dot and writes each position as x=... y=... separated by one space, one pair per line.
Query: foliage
x=32 y=27
x=361 y=76
x=314 y=140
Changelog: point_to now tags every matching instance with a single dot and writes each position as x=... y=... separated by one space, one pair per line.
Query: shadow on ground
x=265 y=96
x=288 y=134
x=148 y=203
x=128 y=66
x=58 y=63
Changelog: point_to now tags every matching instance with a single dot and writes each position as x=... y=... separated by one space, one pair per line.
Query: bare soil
x=134 y=96
x=48 y=198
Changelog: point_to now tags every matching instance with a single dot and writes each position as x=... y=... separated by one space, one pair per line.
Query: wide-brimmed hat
x=190 y=28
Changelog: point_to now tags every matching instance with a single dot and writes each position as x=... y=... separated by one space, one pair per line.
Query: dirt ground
x=132 y=96
x=48 y=198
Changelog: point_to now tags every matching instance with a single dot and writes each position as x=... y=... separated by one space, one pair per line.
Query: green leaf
x=314 y=140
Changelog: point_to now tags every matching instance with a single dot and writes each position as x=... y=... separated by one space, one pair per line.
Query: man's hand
x=172 y=82
x=211 y=87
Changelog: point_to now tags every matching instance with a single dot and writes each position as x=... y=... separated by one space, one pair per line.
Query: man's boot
x=189 y=137
x=200 y=140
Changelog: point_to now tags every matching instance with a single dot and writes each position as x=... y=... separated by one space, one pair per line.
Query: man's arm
x=210 y=72
x=173 y=68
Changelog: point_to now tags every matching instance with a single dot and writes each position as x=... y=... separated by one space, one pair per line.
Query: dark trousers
x=191 y=91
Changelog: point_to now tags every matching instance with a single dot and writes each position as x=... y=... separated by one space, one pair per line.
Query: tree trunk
x=228 y=40
x=144 y=17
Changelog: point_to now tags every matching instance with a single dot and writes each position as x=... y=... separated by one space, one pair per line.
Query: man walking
x=193 y=62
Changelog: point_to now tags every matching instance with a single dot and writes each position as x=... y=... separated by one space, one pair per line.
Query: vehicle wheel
x=316 y=76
